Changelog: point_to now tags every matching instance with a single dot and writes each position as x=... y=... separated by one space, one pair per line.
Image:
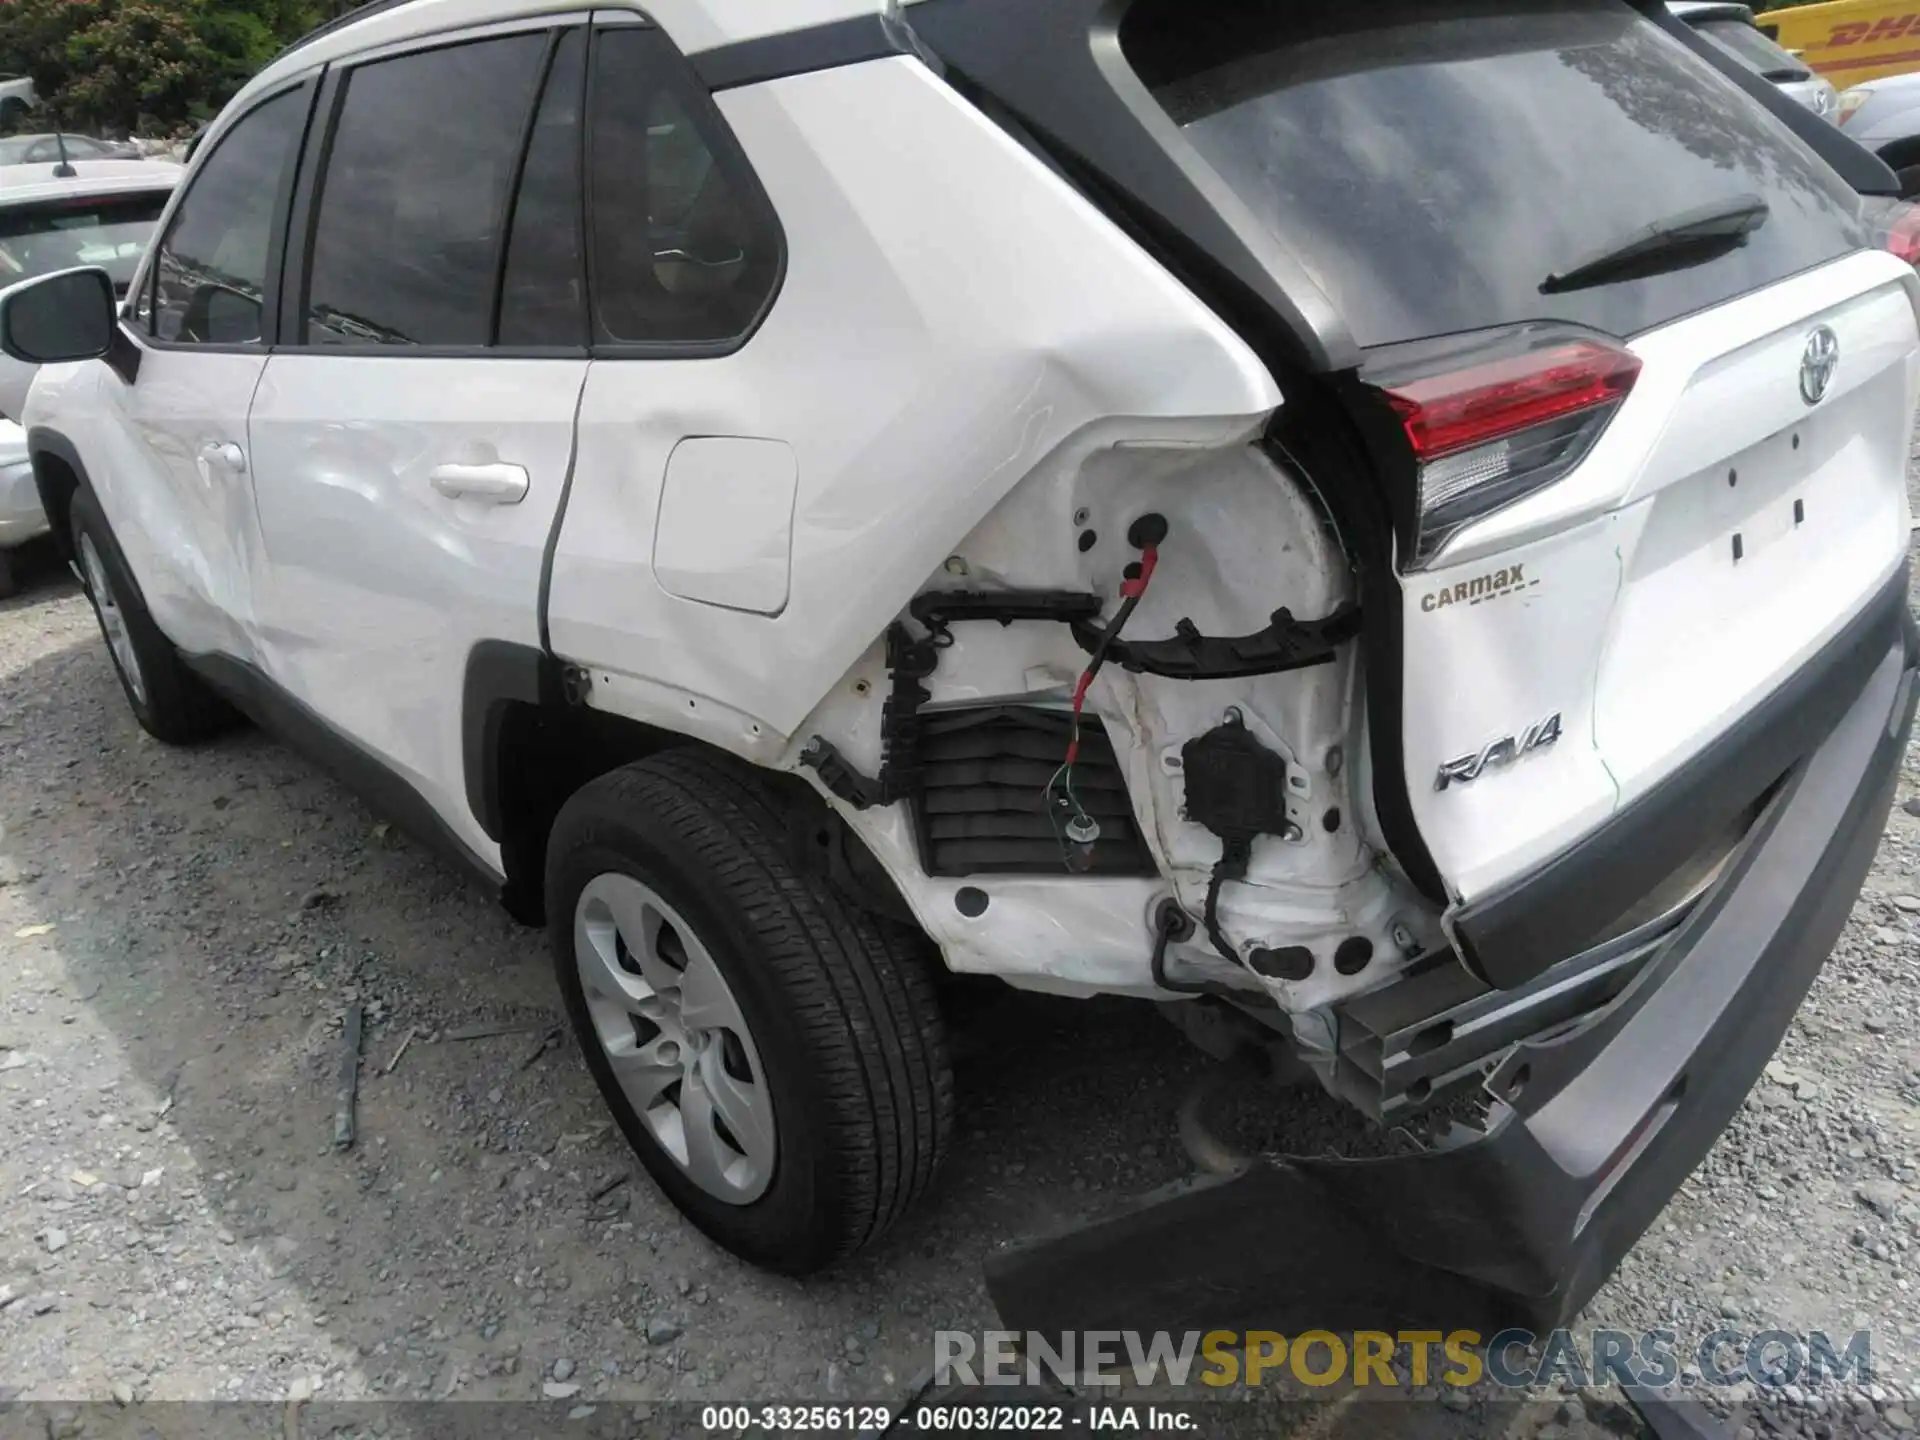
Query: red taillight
x=1492 y=419
x=1899 y=230
x=1457 y=410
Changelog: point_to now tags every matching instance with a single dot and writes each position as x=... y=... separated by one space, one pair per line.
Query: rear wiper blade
x=1666 y=244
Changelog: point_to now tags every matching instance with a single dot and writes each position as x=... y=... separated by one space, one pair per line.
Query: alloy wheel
x=673 y=1033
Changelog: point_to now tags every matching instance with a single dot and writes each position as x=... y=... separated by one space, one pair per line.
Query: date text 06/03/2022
x=978 y=1419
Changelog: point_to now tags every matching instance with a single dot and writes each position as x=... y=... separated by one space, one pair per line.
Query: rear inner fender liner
x=1587 y=1137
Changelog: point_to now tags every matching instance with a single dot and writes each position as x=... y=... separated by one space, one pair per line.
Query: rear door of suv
x=413 y=433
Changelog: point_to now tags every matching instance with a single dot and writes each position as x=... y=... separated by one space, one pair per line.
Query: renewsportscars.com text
x=1657 y=1359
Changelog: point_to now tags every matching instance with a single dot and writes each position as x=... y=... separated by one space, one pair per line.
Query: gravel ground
x=180 y=933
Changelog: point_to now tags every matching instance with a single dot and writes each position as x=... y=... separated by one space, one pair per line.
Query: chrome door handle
x=225 y=454
x=497 y=484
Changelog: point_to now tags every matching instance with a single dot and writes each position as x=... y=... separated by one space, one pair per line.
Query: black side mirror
x=68 y=315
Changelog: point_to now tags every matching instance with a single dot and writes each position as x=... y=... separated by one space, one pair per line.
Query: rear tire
x=9 y=579
x=684 y=934
x=169 y=700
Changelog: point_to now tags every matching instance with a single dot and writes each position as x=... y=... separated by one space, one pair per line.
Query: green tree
x=123 y=65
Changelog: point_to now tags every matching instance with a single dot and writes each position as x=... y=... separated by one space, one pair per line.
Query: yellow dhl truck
x=1849 y=41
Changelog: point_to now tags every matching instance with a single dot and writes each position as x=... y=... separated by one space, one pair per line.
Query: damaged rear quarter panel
x=952 y=315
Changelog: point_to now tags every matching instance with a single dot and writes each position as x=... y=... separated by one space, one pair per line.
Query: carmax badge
x=1502 y=752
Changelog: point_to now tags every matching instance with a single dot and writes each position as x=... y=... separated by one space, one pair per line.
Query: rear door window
x=686 y=247
x=543 y=289
x=413 y=204
x=1431 y=164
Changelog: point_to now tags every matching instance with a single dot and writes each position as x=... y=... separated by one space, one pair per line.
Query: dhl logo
x=1864 y=32
x=1850 y=40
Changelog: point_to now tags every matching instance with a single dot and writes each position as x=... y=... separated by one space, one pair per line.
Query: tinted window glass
x=685 y=245
x=109 y=231
x=543 y=290
x=1431 y=164
x=210 y=273
x=415 y=195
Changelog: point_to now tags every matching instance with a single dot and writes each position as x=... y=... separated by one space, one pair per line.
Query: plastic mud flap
x=1520 y=1223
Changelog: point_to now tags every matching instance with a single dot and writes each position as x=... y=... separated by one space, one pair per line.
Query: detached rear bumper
x=1522 y=1223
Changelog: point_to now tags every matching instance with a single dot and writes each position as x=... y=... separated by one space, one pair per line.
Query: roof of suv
x=693 y=25
x=25 y=184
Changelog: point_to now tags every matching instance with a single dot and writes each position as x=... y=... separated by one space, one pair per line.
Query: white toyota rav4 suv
x=1382 y=527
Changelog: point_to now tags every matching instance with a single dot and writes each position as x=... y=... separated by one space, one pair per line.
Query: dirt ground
x=181 y=931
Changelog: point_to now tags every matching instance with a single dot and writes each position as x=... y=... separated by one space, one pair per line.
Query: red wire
x=1135 y=588
x=1079 y=700
x=1129 y=590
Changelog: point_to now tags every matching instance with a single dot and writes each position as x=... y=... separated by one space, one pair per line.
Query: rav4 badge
x=1501 y=753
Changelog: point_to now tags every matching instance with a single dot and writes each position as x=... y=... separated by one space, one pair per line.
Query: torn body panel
x=1244 y=548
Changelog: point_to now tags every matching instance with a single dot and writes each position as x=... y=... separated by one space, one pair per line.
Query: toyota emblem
x=1817 y=365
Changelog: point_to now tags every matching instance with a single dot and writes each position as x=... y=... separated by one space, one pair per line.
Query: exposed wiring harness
x=1236 y=854
x=1080 y=831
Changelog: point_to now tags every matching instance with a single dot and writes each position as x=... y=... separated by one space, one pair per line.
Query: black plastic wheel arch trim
x=499 y=675
x=42 y=441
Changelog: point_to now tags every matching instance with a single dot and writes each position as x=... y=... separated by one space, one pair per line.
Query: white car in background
x=50 y=148
x=100 y=212
x=1732 y=28
x=17 y=100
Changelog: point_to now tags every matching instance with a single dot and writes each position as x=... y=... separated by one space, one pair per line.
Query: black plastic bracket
x=911 y=660
x=859 y=790
x=1286 y=644
x=939 y=609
